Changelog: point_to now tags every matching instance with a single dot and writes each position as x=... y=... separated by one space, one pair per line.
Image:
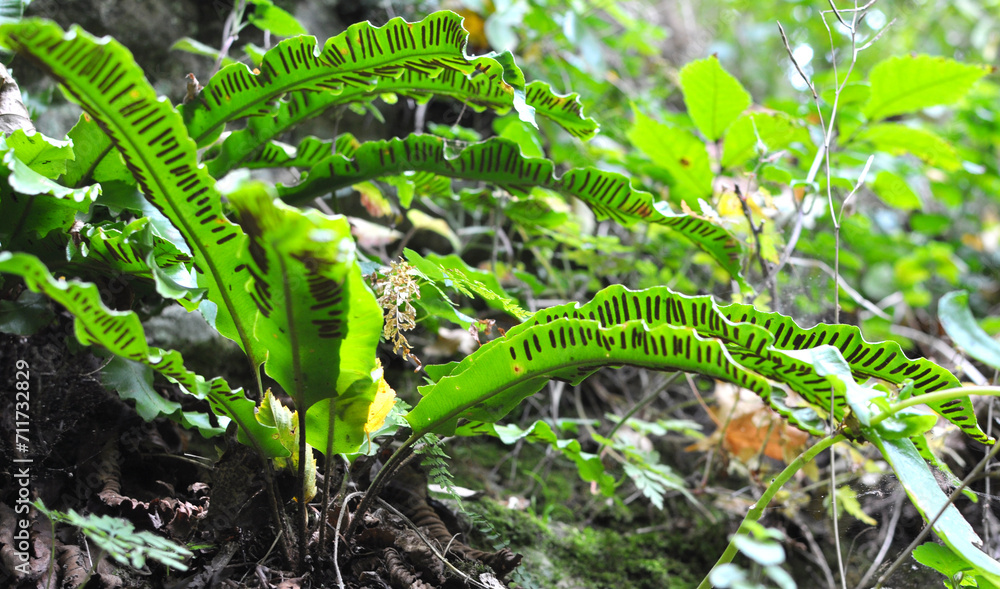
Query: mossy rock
x=560 y=555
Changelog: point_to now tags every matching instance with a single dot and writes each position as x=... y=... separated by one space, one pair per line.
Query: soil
x=84 y=449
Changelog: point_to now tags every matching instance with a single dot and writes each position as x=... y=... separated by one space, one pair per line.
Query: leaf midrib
x=514 y=382
x=83 y=90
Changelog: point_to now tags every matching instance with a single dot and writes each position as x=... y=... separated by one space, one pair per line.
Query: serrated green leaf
x=487 y=87
x=766 y=343
x=714 y=98
x=678 y=152
x=128 y=248
x=513 y=367
x=119 y=539
x=25 y=180
x=883 y=360
x=909 y=83
x=357 y=58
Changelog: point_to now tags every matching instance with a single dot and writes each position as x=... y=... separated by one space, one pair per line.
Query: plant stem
x=388 y=469
x=935 y=397
x=304 y=455
x=758 y=508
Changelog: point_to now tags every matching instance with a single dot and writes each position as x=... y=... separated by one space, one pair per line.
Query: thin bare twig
x=890 y=533
x=755 y=230
x=336 y=538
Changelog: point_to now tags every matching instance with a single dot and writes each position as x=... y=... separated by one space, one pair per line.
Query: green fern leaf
x=122 y=334
x=103 y=78
x=500 y=162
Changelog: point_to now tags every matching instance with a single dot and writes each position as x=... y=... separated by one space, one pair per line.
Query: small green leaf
x=453 y=272
x=422 y=220
x=774 y=130
x=906 y=423
x=26 y=315
x=590 y=467
x=930 y=223
x=273 y=414
x=25 y=180
x=848 y=499
x=96 y=159
x=714 y=98
x=268 y=17
x=909 y=83
x=781 y=577
x=44 y=155
x=134 y=381
x=677 y=151
x=189 y=45
x=940 y=558
x=895 y=192
x=961 y=326
x=763 y=552
x=727 y=575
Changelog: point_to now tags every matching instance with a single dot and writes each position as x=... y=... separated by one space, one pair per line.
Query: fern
x=435 y=462
x=119 y=539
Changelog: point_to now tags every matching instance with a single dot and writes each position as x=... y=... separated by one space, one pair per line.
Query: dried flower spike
x=395 y=291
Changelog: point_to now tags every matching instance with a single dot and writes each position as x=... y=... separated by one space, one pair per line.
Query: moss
x=562 y=555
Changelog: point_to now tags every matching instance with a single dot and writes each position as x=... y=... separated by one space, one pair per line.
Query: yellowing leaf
x=373 y=200
x=385 y=398
x=273 y=414
x=848 y=499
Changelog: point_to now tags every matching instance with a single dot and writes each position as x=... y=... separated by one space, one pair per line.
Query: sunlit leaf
x=895 y=192
x=677 y=151
x=909 y=83
x=714 y=98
